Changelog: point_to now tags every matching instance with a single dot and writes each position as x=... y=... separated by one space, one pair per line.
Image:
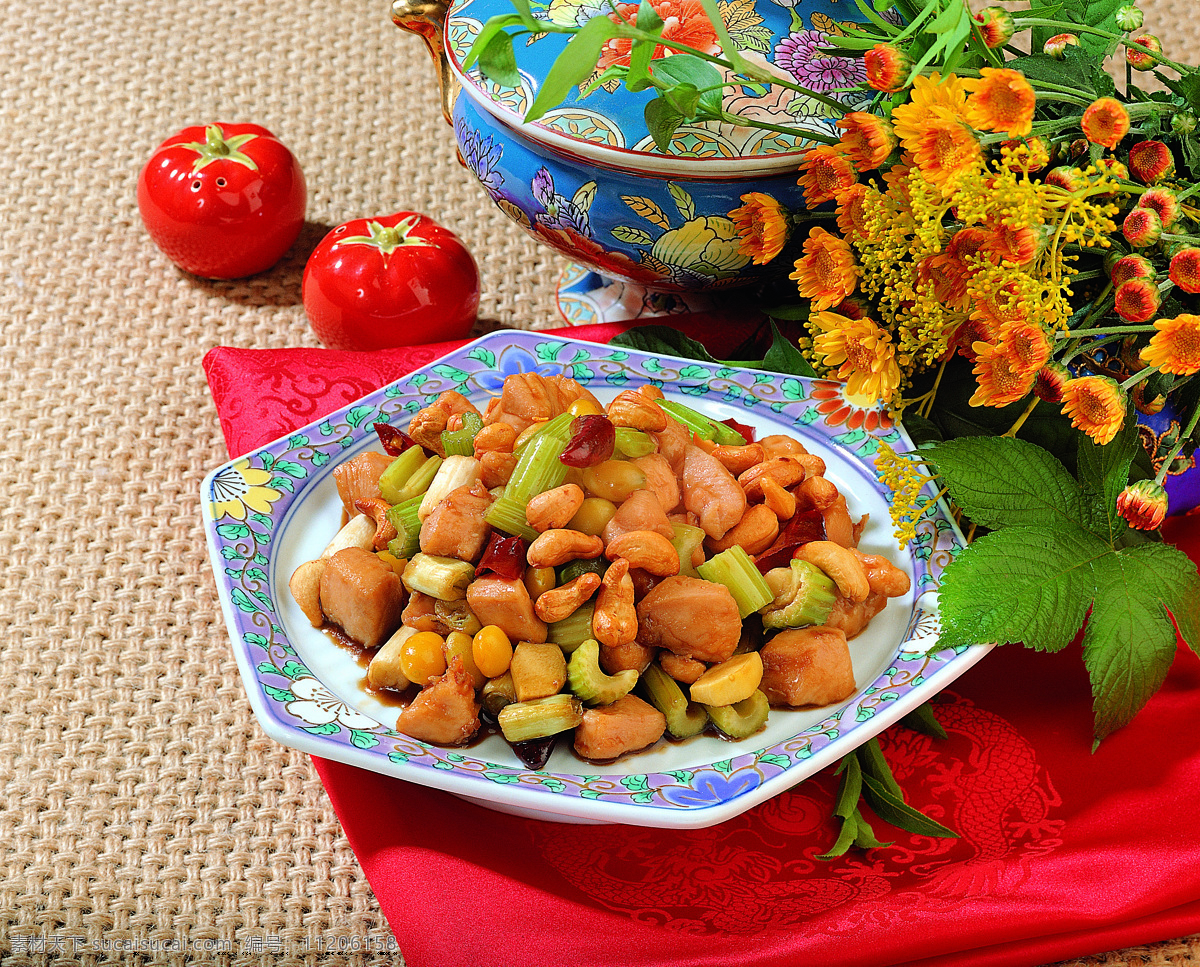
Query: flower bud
x=1131 y=267
x=1164 y=203
x=996 y=26
x=1078 y=148
x=1057 y=45
x=888 y=68
x=1050 y=380
x=1185 y=269
x=1183 y=124
x=1068 y=179
x=1151 y=161
x=1028 y=156
x=1128 y=18
x=1137 y=300
x=1105 y=122
x=1143 y=504
x=1142 y=227
x=1143 y=405
x=1139 y=60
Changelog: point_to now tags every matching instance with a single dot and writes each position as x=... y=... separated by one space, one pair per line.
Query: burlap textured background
x=138 y=797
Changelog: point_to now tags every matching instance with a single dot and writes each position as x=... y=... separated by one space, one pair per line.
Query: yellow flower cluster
x=905 y=476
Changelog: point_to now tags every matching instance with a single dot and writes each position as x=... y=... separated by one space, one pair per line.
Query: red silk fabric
x=1062 y=853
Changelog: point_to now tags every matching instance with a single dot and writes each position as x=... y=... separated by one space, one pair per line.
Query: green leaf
x=846 y=838
x=1004 y=482
x=1104 y=471
x=1076 y=70
x=873 y=764
x=573 y=66
x=486 y=36
x=1020 y=584
x=642 y=51
x=894 y=810
x=1128 y=645
x=921 y=719
x=785 y=357
x=662 y=120
x=683 y=201
x=662 y=339
x=689 y=69
x=497 y=60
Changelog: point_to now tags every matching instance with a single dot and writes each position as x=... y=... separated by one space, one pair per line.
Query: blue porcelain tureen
x=649 y=228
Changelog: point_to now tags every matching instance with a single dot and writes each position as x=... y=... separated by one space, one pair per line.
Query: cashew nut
x=754 y=533
x=740 y=459
x=376 y=508
x=305 y=585
x=562 y=602
x=631 y=408
x=781 y=445
x=820 y=491
x=786 y=471
x=838 y=526
x=557 y=546
x=614 y=621
x=883 y=576
x=647 y=550
x=651 y=392
x=780 y=501
x=359 y=531
x=841 y=564
x=495 y=467
x=813 y=465
x=554 y=508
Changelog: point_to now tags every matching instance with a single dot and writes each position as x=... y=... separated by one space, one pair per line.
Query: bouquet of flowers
x=1000 y=244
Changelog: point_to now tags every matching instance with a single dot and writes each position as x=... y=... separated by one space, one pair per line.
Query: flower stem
x=1138 y=377
x=1104 y=331
x=1012 y=430
x=1122 y=39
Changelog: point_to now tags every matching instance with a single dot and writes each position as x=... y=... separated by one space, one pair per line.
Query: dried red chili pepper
x=593 y=439
x=394 y=440
x=746 y=431
x=504 y=557
x=804 y=526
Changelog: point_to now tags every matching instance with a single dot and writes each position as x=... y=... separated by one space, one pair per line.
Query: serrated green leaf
x=1004 y=482
x=1020 y=584
x=1104 y=471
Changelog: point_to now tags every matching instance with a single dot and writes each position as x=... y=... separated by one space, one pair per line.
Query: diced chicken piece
x=673 y=443
x=419 y=613
x=682 y=669
x=691 y=617
x=444 y=712
x=628 y=725
x=807 y=667
x=506 y=604
x=850 y=618
x=616 y=658
x=711 y=492
x=455 y=527
x=358 y=479
x=363 y=595
x=660 y=480
x=454 y=402
x=528 y=398
x=640 y=511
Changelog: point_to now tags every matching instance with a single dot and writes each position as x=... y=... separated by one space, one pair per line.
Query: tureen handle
x=427 y=19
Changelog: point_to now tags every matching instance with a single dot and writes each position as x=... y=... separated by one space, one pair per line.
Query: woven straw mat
x=138 y=797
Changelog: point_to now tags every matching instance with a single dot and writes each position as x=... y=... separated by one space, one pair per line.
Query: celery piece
x=538 y=468
x=709 y=429
x=742 y=719
x=583 y=565
x=444 y=578
x=684 y=718
x=589 y=682
x=422 y=477
x=734 y=569
x=398 y=472
x=403 y=517
x=540 y=717
x=555 y=425
x=687 y=538
x=573 y=630
x=803 y=594
x=632 y=443
x=462 y=442
x=508 y=515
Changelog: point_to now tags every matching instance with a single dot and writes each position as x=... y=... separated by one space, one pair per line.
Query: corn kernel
x=421 y=657
x=491 y=650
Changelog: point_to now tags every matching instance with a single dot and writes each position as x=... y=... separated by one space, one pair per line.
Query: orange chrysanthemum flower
x=1175 y=346
x=1002 y=307
x=1105 y=122
x=1026 y=156
x=851 y=219
x=928 y=95
x=824 y=173
x=945 y=148
x=1185 y=269
x=1143 y=504
x=867 y=139
x=1136 y=300
x=896 y=178
x=1001 y=100
x=1151 y=162
x=1001 y=377
x=1140 y=60
x=863 y=352
x=1027 y=344
x=946 y=276
x=1095 y=405
x=762 y=227
x=887 y=68
x=1131 y=267
x=996 y=26
x=1050 y=380
x=1018 y=245
x=826 y=273
x=1164 y=203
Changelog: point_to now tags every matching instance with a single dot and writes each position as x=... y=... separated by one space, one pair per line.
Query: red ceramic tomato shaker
x=223 y=201
x=395 y=280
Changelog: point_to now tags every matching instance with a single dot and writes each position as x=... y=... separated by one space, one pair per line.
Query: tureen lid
x=608 y=125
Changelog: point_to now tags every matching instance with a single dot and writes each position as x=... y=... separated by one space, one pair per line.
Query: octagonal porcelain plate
x=277 y=507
